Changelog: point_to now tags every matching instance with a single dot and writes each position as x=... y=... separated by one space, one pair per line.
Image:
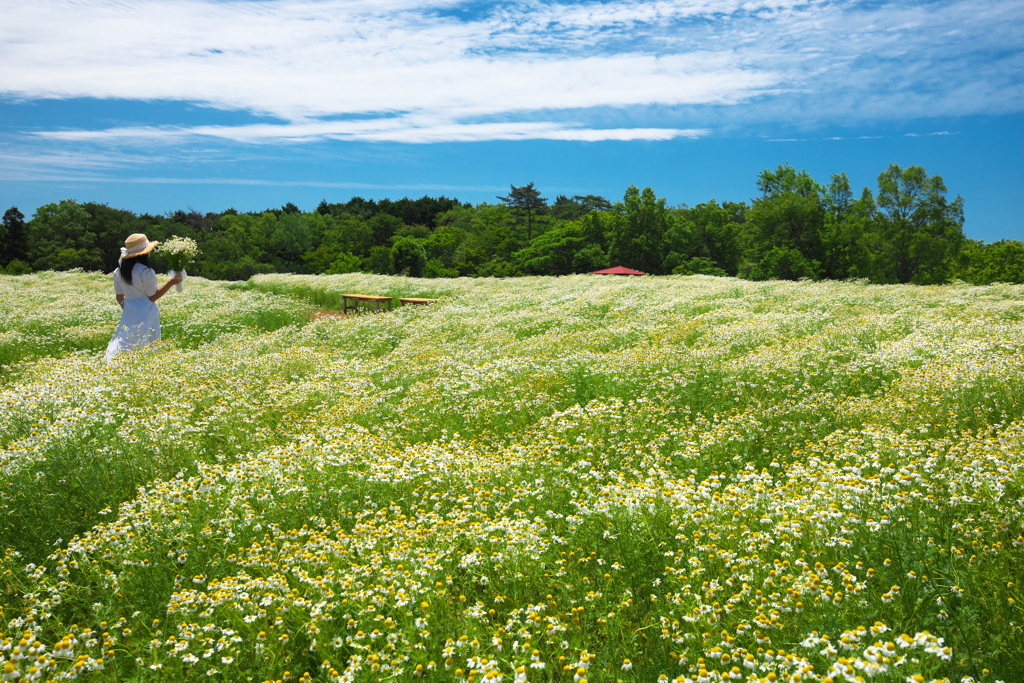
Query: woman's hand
x=166 y=286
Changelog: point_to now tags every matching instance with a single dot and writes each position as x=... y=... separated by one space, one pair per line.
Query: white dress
x=140 y=320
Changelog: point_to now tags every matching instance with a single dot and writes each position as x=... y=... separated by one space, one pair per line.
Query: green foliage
x=379 y=261
x=575 y=247
x=436 y=268
x=637 y=231
x=527 y=206
x=408 y=257
x=384 y=227
x=786 y=226
x=590 y=258
x=571 y=209
x=422 y=211
x=710 y=231
x=923 y=231
x=420 y=232
x=906 y=232
x=556 y=252
x=59 y=238
x=289 y=240
x=345 y=263
x=18 y=267
x=237 y=249
x=111 y=226
x=444 y=244
x=852 y=244
x=699 y=265
x=242 y=269
x=12 y=237
x=786 y=263
x=1001 y=261
x=349 y=233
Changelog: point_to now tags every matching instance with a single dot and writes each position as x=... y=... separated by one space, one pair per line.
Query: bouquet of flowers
x=179 y=252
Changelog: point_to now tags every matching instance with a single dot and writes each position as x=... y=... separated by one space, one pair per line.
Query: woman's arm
x=167 y=285
x=120 y=300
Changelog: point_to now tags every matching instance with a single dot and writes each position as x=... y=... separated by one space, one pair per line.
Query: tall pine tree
x=527 y=205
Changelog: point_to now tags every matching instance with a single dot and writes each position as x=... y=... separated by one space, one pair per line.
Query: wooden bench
x=416 y=301
x=355 y=302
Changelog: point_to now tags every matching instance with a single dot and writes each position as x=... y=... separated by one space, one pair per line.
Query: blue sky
x=155 y=105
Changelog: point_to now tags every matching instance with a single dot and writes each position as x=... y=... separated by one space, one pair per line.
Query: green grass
x=691 y=473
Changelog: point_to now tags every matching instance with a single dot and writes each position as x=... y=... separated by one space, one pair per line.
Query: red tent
x=618 y=270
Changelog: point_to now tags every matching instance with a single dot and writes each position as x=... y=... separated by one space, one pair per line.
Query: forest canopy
x=908 y=230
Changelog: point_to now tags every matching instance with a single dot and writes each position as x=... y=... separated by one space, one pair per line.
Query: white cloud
x=295 y=65
x=251 y=182
x=377 y=130
x=30 y=160
x=415 y=71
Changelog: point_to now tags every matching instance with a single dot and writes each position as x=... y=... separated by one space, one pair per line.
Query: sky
x=159 y=105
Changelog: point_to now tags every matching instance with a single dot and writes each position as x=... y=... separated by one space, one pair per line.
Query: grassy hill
x=540 y=479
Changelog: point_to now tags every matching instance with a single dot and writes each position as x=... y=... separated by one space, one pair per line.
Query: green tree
x=490 y=235
x=420 y=232
x=574 y=247
x=409 y=257
x=345 y=263
x=787 y=263
x=788 y=217
x=527 y=206
x=983 y=264
x=334 y=236
x=699 y=265
x=707 y=231
x=590 y=258
x=237 y=247
x=460 y=217
x=18 y=267
x=851 y=244
x=379 y=261
x=555 y=252
x=436 y=268
x=384 y=227
x=317 y=224
x=111 y=227
x=924 y=231
x=422 y=211
x=12 y=236
x=58 y=238
x=636 y=237
x=444 y=244
x=571 y=209
x=198 y=225
x=289 y=240
x=320 y=259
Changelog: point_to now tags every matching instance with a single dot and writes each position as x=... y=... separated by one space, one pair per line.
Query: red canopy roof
x=618 y=270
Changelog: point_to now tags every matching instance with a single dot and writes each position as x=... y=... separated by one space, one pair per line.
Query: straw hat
x=137 y=245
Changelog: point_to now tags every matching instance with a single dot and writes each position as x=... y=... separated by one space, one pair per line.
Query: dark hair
x=127 y=264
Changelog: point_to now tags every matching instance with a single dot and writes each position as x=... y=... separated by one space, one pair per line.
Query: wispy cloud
x=377 y=130
x=838 y=138
x=269 y=182
x=34 y=160
x=415 y=71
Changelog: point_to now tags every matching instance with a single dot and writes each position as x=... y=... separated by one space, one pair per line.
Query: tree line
x=906 y=231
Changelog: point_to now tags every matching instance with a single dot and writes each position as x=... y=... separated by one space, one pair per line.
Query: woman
x=136 y=292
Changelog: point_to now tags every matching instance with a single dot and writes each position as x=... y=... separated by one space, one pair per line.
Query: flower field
x=537 y=479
